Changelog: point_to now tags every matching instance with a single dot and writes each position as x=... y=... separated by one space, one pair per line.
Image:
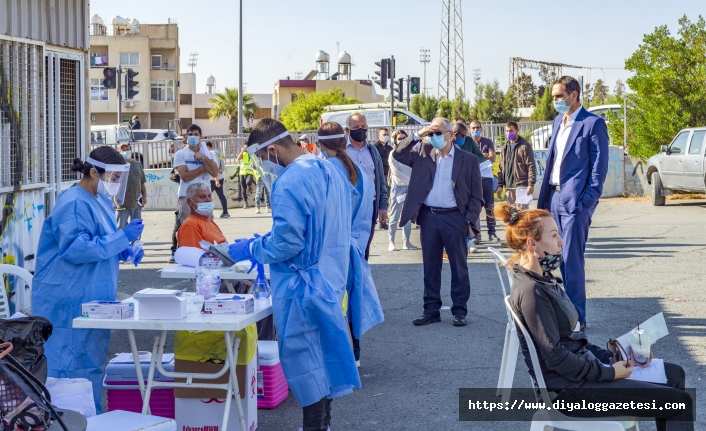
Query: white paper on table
x=486 y=169
x=401 y=198
x=18 y=315
x=652 y=373
x=188 y=256
x=655 y=326
x=523 y=198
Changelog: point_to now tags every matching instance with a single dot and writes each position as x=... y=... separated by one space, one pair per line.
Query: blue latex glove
x=133 y=230
x=137 y=259
x=125 y=254
x=240 y=250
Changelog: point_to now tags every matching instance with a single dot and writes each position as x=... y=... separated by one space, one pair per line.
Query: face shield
x=113 y=181
x=324 y=155
x=267 y=169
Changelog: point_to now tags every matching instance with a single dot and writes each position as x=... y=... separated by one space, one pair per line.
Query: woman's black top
x=547 y=313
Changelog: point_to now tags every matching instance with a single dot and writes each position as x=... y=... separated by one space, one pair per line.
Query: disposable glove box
x=160 y=304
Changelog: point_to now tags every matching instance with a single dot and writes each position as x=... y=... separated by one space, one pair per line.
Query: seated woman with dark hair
x=567 y=360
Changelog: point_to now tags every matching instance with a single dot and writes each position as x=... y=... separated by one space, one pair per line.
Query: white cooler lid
x=120 y=420
x=268 y=352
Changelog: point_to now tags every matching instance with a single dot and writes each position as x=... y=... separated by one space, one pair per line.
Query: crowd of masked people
x=326 y=198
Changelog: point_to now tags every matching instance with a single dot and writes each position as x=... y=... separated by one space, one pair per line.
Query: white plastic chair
x=23 y=294
x=511 y=347
x=548 y=420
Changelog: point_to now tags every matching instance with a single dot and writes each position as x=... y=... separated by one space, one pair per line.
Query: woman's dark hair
x=339 y=145
x=266 y=129
x=105 y=154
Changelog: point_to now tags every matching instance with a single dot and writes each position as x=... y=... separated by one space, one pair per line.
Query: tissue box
x=160 y=304
x=229 y=305
x=108 y=310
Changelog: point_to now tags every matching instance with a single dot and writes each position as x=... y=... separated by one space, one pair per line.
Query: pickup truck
x=680 y=166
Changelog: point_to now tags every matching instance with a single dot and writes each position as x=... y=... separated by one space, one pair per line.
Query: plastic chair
x=548 y=420
x=511 y=347
x=23 y=296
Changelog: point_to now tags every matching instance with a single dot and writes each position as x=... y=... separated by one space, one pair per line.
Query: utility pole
x=119 y=73
x=240 y=73
x=408 y=93
x=424 y=58
x=392 y=91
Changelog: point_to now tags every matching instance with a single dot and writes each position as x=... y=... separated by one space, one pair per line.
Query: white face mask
x=108 y=189
x=204 y=208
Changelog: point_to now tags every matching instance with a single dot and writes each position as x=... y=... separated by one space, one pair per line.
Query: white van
x=111 y=134
x=377 y=114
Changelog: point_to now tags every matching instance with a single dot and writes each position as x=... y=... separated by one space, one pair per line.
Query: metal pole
x=625 y=123
x=392 y=90
x=408 y=101
x=240 y=73
x=119 y=76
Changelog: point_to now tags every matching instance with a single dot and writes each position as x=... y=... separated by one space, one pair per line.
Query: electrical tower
x=193 y=59
x=548 y=72
x=452 y=73
x=424 y=59
x=476 y=76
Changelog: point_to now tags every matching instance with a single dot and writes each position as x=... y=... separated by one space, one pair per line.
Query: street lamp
x=240 y=73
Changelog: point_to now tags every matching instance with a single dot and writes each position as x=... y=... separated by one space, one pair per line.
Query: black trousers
x=438 y=231
x=372 y=232
x=221 y=196
x=317 y=417
x=245 y=181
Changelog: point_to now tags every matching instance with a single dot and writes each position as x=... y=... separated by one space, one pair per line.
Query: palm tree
x=226 y=104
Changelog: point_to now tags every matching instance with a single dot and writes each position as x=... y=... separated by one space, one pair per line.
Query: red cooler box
x=272 y=387
x=123 y=391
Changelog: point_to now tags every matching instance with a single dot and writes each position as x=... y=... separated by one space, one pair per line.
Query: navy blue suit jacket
x=584 y=166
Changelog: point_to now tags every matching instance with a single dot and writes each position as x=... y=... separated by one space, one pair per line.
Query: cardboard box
x=237 y=304
x=108 y=309
x=206 y=412
x=182 y=366
x=120 y=420
x=160 y=304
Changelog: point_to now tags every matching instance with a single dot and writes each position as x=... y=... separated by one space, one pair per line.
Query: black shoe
x=225 y=215
x=426 y=319
x=460 y=321
x=493 y=238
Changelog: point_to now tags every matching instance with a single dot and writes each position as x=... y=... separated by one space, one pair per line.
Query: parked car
x=111 y=134
x=377 y=114
x=541 y=137
x=680 y=166
x=150 y=147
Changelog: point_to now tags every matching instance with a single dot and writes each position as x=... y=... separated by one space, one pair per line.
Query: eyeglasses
x=460 y=135
x=437 y=133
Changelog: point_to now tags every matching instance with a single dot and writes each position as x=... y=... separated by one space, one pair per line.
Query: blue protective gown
x=364 y=309
x=77 y=262
x=308 y=252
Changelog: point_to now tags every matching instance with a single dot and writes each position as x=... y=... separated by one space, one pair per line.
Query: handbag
x=174 y=176
x=25 y=403
x=617 y=351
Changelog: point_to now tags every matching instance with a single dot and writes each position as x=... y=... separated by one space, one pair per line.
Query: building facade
x=286 y=91
x=152 y=50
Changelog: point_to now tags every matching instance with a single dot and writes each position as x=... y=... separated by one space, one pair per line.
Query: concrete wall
x=162 y=193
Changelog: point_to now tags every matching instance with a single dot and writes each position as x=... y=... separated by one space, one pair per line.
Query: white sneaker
x=391 y=247
x=472 y=247
x=409 y=246
x=357 y=363
x=257 y=210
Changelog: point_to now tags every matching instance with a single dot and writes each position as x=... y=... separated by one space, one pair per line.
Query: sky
x=281 y=37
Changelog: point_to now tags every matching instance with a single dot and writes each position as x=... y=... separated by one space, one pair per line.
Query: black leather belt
x=437 y=210
x=554 y=187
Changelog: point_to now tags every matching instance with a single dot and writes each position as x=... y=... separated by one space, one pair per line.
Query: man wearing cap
x=135 y=192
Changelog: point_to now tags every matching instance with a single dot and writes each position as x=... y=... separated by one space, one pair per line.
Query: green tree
x=461 y=107
x=424 y=106
x=225 y=104
x=600 y=92
x=587 y=95
x=619 y=89
x=668 y=77
x=525 y=90
x=492 y=104
x=544 y=111
x=446 y=109
x=305 y=111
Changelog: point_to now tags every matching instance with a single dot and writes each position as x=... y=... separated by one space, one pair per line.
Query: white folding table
x=182 y=271
x=228 y=323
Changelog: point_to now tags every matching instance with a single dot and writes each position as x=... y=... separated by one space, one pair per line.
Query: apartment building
x=152 y=50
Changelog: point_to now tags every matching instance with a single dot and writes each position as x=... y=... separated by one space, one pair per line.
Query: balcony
x=164 y=67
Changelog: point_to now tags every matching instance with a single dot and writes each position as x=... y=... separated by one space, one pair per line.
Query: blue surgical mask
x=438 y=142
x=385 y=139
x=193 y=140
x=460 y=142
x=204 y=208
x=561 y=106
x=127 y=154
x=476 y=133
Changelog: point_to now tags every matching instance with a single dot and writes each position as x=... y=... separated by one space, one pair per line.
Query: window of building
x=200 y=114
x=162 y=90
x=156 y=61
x=98 y=92
x=129 y=58
x=185 y=99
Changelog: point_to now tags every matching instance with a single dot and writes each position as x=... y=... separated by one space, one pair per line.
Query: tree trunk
x=233 y=125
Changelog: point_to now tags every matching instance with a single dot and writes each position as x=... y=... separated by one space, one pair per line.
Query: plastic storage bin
x=272 y=387
x=123 y=391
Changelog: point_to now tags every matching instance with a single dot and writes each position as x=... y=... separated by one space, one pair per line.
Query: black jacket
x=547 y=313
x=384 y=151
x=465 y=178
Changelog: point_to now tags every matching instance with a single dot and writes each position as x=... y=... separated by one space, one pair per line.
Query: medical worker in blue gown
x=363 y=306
x=77 y=262
x=308 y=251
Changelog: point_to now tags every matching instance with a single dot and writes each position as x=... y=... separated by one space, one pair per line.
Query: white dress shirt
x=442 y=192
x=561 y=140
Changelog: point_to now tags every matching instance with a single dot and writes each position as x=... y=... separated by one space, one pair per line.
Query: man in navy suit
x=577 y=164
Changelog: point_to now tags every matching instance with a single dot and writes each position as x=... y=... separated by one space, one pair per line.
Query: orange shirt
x=195 y=229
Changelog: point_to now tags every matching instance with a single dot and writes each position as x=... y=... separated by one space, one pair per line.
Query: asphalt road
x=640 y=260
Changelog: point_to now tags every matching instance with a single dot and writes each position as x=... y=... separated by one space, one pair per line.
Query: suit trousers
x=449 y=231
x=573 y=229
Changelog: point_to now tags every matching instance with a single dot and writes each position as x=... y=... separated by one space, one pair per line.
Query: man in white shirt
x=577 y=165
x=194 y=163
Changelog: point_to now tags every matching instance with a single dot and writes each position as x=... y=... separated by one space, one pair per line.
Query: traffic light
x=414 y=85
x=391 y=69
x=109 y=80
x=383 y=64
x=130 y=84
x=397 y=87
